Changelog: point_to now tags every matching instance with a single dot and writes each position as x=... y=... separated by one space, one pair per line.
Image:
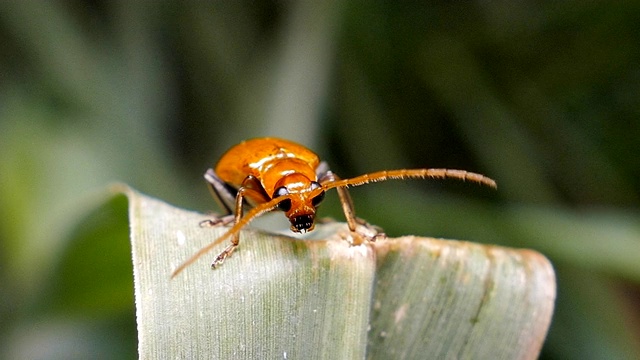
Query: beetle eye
x=285 y=205
x=280 y=192
x=318 y=199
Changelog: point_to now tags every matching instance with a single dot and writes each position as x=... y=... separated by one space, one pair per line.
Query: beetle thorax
x=294 y=174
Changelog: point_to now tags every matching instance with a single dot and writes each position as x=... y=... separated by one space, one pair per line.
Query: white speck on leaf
x=181 y=238
x=401 y=313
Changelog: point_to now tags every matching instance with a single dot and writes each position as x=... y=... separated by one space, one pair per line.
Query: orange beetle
x=267 y=173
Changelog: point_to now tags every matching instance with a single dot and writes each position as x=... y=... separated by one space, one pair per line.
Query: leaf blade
x=278 y=297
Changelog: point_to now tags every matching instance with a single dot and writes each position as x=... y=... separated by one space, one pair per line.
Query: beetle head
x=300 y=207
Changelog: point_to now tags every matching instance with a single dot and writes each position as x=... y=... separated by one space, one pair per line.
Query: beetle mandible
x=263 y=174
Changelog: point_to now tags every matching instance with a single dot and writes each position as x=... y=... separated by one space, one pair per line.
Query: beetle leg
x=345 y=199
x=224 y=194
x=254 y=191
x=322 y=170
x=223 y=255
x=226 y=197
x=370 y=232
x=221 y=220
x=235 y=238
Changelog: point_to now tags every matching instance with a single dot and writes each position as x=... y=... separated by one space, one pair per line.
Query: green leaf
x=279 y=297
x=92 y=277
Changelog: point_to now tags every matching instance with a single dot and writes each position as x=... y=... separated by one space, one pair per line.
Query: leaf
x=91 y=276
x=279 y=297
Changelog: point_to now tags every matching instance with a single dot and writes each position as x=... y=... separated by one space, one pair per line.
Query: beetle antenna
x=252 y=214
x=412 y=173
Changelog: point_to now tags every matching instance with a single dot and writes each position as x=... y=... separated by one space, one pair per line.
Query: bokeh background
x=542 y=96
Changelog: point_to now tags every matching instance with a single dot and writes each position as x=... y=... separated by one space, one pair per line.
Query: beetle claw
x=218 y=221
x=364 y=232
x=222 y=256
x=369 y=231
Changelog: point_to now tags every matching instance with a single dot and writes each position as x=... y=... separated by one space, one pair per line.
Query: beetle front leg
x=358 y=227
x=235 y=238
x=225 y=253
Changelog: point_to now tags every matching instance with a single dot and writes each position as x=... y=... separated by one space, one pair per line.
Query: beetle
x=262 y=174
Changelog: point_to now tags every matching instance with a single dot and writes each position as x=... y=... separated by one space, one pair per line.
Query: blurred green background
x=541 y=96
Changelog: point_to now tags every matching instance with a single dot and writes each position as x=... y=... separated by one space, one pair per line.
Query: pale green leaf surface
x=279 y=297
